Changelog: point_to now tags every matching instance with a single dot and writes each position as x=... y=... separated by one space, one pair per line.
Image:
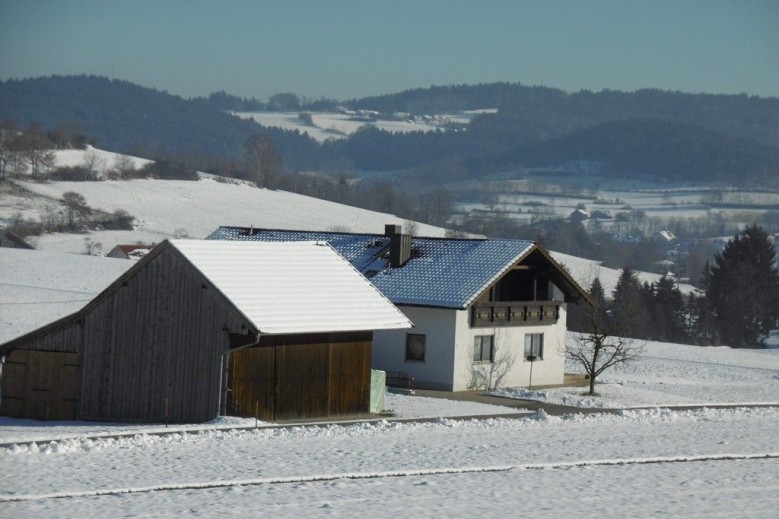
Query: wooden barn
x=201 y=328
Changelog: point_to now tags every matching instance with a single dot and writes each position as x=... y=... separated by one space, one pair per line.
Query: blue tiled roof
x=442 y=272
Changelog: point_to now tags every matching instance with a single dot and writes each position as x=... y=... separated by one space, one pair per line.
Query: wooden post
x=166 y=413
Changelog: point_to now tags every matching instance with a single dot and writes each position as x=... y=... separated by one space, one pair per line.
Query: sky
x=345 y=49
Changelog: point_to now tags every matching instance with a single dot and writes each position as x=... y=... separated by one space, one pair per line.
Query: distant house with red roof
x=134 y=252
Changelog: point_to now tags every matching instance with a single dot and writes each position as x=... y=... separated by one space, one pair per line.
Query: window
x=534 y=345
x=483 y=348
x=415 y=346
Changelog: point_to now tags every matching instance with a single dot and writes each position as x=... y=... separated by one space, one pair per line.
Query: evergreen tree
x=629 y=305
x=580 y=316
x=701 y=323
x=742 y=287
x=669 y=311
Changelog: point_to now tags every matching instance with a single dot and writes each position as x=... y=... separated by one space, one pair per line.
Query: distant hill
x=555 y=112
x=667 y=134
x=129 y=118
x=665 y=150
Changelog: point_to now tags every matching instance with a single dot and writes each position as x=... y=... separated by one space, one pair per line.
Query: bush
x=24 y=227
x=70 y=174
x=168 y=171
x=119 y=220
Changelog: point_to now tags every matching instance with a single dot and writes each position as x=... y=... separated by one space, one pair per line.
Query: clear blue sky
x=344 y=49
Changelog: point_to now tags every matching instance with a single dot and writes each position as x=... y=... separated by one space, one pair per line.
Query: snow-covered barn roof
x=279 y=288
x=286 y=288
x=442 y=272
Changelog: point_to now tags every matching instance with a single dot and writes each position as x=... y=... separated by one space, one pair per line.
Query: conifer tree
x=629 y=305
x=742 y=289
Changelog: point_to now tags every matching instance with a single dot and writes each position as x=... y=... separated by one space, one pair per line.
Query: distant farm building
x=135 y=252
x=200 y=328
x=579 y=215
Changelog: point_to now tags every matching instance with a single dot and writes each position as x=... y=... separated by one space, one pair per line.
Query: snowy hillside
x=584 y=271
x=39 y=287
x=168 y=208
x=101 y=161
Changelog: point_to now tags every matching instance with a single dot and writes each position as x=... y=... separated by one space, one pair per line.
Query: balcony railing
x=515 y=313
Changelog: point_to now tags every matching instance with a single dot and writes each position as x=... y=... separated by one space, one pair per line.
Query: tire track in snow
x=388 y=474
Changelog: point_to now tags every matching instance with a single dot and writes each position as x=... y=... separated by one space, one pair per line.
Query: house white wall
x=509 y=369
x=439 y=327
x=449 y=364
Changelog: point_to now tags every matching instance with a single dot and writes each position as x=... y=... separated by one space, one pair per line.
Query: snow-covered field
x=39 y=287
x=667 y=374
x=633 y=463
x=327 y=125
x=178 y=208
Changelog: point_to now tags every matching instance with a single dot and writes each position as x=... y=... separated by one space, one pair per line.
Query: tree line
x=738 y=305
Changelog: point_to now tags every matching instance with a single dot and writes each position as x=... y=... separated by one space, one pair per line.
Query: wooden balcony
x=514 y=313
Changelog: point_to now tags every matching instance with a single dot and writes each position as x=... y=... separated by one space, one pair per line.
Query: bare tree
x=76 y=208
x=123 y=168
x=600 y=343
x=8 y=136
x=262 y=163
x=92 y=164
x=36 y=147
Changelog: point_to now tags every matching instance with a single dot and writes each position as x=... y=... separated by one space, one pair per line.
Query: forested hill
x=125 y=117
x=554 y=112
x=667 y=150
x=669 y=135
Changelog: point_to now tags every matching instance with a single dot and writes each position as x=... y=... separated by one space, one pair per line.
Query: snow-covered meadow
x=669 y=375
x=331 y=125
x=635 y=462
x=178 y=208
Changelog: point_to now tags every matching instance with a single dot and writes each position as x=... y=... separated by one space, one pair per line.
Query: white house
x=484 y=311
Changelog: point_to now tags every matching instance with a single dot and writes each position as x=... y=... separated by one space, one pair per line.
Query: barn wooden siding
x=302 y=376
x=150 y=349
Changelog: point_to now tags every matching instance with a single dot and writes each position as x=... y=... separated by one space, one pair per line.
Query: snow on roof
x=302 y=287
x=446 y=273
x=39 y=287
